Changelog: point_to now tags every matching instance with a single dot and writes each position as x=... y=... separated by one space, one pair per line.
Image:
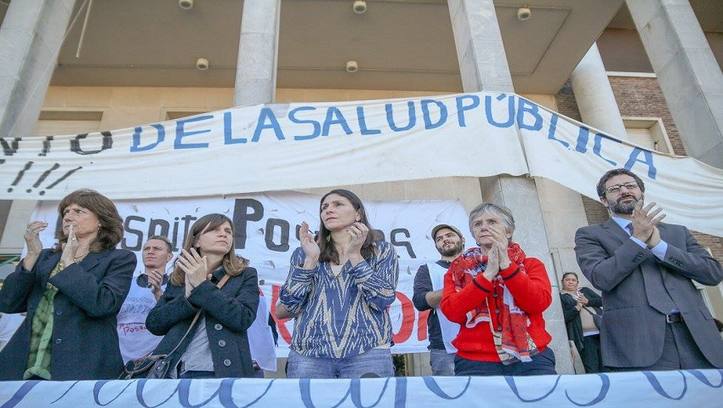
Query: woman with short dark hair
x=216 y=346
x=498 y=294
x=71 y=293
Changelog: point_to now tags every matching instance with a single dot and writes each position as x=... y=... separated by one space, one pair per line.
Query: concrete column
x=687 y=71
x=18 y=215
x=30 y=38
x=257 y=52
x=594 y=95
x=480 y=52
x=599 y=109
x=483 y=66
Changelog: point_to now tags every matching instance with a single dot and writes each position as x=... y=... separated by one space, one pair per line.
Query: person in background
x=339 y=290
x=428 y=288
x=71 y=293
x=217 y=345
x=583 y=310
x=133 y=338
x=498 y=294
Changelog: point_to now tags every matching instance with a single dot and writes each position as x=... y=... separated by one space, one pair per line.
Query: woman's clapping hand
x=195 y=267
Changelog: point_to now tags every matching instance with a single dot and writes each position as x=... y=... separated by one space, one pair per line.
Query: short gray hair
x=503 y=212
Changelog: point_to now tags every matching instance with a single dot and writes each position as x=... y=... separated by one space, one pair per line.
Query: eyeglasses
x=616 y=188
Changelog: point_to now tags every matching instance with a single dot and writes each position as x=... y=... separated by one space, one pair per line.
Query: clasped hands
x=497 y=256
x=195 y=267
x=350 y=248
x=582 y=301
x=645 y=221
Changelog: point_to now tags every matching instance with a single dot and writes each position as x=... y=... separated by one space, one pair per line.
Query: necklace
x=77 y=259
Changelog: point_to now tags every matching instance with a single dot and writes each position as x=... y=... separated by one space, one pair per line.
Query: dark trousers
x=679 y=352
x=542 y=363
x=590 y=354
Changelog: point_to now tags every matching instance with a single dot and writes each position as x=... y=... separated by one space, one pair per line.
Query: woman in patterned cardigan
x=338 y=289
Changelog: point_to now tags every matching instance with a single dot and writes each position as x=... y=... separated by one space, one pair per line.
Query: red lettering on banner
x=280 y=323
x=422 y=325
x=405 y=331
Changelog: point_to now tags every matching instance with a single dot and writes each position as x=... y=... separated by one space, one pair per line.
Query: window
x=648 y=132
x=67 y=122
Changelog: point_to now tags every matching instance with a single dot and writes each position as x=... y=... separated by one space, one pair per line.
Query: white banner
x=662 y=389
x=266 y=233
x=270 y=148
x=575 y=155
x=295 y=146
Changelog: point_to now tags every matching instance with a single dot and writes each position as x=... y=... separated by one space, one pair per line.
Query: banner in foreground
x=266 y=227
x=691 y=388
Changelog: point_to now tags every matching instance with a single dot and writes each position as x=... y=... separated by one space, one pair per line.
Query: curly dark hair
x=111 y=224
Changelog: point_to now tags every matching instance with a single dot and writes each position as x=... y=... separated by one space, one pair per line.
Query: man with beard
x=428 y=286
x=134 y=339
x=654 y=317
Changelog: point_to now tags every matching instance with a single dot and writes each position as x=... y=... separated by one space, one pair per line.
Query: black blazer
x=573 y=323
x=228 y=312
x=90 y=294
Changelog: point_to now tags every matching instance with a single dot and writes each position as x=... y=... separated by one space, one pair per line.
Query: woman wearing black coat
x=71 y=293
x=217 y=345
x=582 y=309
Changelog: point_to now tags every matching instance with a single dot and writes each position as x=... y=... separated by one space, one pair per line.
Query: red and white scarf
x=509 y=324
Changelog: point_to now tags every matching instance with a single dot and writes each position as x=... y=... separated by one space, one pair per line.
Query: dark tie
x=658 y=297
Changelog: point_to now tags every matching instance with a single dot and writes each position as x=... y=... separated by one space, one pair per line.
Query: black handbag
x=157 y=365
x=150 y=366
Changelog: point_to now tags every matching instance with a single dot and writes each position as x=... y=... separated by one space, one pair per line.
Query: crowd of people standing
x=87 y=317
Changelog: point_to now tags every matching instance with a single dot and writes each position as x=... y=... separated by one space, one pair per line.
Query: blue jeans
x=442 y=363
x=542 y=363
x=373 y=363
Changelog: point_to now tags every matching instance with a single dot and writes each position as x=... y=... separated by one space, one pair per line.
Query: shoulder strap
x=198 y=314
x=223 y=281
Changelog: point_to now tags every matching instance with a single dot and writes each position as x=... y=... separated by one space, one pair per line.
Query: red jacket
x=531 y=291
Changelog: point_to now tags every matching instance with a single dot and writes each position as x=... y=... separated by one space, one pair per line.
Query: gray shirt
x=197 y=356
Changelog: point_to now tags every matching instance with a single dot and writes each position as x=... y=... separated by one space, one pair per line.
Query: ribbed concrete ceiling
x=402 y=44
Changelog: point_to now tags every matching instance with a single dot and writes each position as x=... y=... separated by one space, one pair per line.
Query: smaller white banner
x=575 y=155
x=266 y=228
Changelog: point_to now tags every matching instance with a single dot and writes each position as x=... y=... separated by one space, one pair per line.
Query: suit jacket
x=228 y=312
x=632 y=332
x=90 y=294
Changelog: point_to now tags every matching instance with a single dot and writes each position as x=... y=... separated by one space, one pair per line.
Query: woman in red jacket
x=497 y=295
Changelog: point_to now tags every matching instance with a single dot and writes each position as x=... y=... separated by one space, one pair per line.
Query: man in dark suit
x=654 y=318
